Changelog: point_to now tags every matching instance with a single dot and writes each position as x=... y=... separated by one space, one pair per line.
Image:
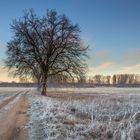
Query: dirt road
x=13 y=117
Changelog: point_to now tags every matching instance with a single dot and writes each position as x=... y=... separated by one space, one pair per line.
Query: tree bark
x=38 y=86
x=44 y=87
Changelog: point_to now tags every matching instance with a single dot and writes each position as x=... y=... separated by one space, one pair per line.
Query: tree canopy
x=45 y=46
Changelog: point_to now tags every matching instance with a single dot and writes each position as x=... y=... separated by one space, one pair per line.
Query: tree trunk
x=44 y=87
x=38 y=86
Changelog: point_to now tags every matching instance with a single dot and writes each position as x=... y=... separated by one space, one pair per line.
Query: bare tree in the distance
x=45 y=46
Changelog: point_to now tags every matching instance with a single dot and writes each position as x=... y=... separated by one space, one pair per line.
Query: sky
x=111 y=29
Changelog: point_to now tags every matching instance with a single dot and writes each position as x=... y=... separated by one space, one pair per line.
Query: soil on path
x=20 y=131
x=6 y=101
x=13 y=118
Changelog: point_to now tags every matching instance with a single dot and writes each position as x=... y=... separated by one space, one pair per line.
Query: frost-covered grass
x=12 y=89
x=111 y=117
x=108 y=90
x=8 y=92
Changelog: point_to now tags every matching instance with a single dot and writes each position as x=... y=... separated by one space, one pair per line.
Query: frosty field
x=7 y=92
x=101 y=114
x=70 y=114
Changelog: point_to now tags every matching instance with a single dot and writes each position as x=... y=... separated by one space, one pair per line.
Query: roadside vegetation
x=97 y=116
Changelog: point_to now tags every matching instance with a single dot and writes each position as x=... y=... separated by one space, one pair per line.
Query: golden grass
x=69 y=96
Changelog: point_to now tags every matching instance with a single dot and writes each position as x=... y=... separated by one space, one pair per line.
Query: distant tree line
x=19 y=84
x=116 y=79
x=126 y=79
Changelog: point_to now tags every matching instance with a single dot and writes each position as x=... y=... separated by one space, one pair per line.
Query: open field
x=100 y=114
x=82 y=93
x=70 y=114
x=8 y=91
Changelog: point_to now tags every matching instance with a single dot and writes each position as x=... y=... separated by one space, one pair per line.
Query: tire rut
x=5 y=102
x=13 y=115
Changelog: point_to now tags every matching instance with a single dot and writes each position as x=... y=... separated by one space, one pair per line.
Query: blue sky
x=110 y=27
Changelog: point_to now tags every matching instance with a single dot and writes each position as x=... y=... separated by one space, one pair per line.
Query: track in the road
x=13 y=116
x=5 y=102
x=20 y=132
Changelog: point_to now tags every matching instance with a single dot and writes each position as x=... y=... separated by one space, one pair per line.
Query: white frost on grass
x=100 y=90
x=109 y=118
x=11 y=104
x=8 y=92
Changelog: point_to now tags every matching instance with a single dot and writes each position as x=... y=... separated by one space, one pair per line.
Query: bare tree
x=42 y=47
x=108 y=78
x=114 y=79
x=131 y=78
x=137 y=79
x=98 y=79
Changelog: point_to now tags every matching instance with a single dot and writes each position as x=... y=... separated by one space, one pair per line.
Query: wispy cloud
x=130 y=69
x=99 y=57
x=133 y=67
x=109 y=62
x=104 y=65
x=99 y=69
